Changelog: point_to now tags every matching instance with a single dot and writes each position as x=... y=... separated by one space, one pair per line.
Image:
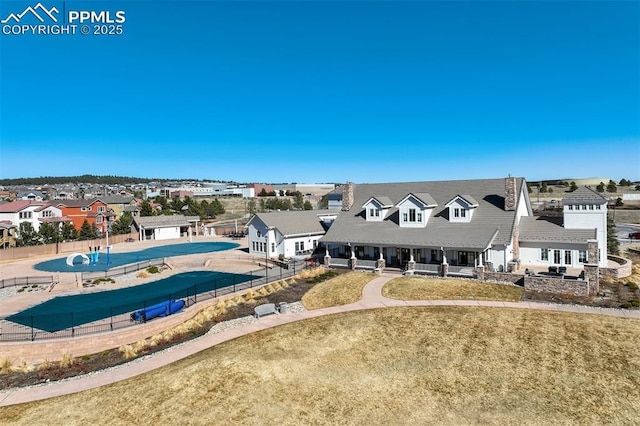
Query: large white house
x=465 y=223
x=288 y=233
x=33 y=212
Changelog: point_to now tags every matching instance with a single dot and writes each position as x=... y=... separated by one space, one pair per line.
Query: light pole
x=266 y=258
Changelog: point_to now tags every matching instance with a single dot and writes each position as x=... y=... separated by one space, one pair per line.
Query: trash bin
x=283 y=307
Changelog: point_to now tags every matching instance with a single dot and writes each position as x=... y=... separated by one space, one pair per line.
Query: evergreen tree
x=122 y=225
x=600 y=187
x=176 y=204
x=216 y=207
x=298 y=201
x=324 y=201
x=68 y=231
x=611 y=186
x=573 y=187
x=88 y=232
x=145 y=209
x=27 y=235
x=263 y=193
x=543 y=187
x=307 y=205
x=251 y=207
x=49 y=232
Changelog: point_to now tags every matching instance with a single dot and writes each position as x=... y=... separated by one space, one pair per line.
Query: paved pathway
x=371 y=298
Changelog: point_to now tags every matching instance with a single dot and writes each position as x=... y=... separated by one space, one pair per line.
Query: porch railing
x=464 y=271
x=427 y=268
x=366 y=264
x=342 y=263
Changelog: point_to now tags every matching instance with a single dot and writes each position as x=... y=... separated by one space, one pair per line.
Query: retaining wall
x=622 y=271
x=576 y=288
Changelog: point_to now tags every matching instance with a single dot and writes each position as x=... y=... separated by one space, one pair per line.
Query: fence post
x=195 y=293
x=111 y=317
x=33 y=334
x=73 y=329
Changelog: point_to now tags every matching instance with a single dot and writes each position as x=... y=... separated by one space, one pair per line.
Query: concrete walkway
x=371 y=299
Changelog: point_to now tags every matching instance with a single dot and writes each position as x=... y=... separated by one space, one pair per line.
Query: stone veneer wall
x=347 y=196
x=510 y=194
x=504 y=277
x=624 y=270
x=577 y=288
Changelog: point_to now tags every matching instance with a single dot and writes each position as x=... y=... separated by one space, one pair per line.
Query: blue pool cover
x=65 y=312
x=120 y=259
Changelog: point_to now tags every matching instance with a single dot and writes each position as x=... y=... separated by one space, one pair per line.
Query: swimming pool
x=64 y=312
x=119 y=259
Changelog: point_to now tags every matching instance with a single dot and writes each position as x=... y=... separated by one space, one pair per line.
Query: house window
x=86 y=209
x=544 y=254
x=582 y=256
x=419 y=217
x=405 y=217
x=377 y=213
x=571 y=207
x=463 y=213
x=412 y=215
x=301 y=245
x=556 y=257
x=456 y=212
x=590 y=206
x=101 y=209
x=567 y=257
x=315 y=244
x=297 y=246
x=435 y=255
x=273 y=247
x=99 y=219
x=597 y=206
x=371 y=212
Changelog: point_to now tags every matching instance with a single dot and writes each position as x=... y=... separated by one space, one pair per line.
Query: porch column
x=411 y=265
x=381 y=262
x=353 y=261
x=327 y=258
x=480 y=256
x=444 y=268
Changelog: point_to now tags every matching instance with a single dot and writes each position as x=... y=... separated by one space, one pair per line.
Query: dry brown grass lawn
x=341 y=290
x=419 y=288
x=419 y=365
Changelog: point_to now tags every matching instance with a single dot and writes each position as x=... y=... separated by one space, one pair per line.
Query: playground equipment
x=71 y=258
x=162 y=309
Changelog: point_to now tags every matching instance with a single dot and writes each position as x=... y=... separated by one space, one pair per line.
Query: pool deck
x=234 y=261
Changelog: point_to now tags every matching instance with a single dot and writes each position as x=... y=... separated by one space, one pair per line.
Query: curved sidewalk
x=371 y=299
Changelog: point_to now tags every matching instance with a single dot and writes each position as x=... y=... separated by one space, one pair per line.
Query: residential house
x=288 y=234
x=94 y=211
x=464 y=223
x=8 y=234
x=30 y=195
x=34 y=212
x=118 y=204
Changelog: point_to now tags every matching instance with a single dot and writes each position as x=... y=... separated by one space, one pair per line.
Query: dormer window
x=376 y=208
x=415 y=210
x=461 y=208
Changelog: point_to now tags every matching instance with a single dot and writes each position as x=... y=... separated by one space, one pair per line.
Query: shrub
x=45 y=365
x=5 y=364
x=20 y=290
x=153 y=269
x=103 y=280
x=86 y=357
x=632 y=285
x=34 y=286
x=67 y=359
x=128 y=351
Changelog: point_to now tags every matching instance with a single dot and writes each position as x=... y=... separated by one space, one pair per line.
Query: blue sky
x=301 y=91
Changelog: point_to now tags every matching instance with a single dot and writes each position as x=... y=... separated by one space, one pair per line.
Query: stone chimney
x=347 y=196
x=509 y=194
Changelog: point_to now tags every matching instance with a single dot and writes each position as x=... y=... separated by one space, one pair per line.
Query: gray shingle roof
x=550 y=229
x=385 y=201
x=583 y=195
x=164 y=221
x=295 y=222
x=489 y=220
x=426 y=198
x=116 y=199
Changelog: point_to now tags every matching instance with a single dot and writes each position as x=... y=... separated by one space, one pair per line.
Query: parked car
x=634 y=236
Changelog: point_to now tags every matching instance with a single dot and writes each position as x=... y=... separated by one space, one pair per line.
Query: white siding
x=166 y=233
x=589 y=219
x=531 y=254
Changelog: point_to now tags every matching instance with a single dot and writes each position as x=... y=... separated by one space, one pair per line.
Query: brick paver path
x=371 y=299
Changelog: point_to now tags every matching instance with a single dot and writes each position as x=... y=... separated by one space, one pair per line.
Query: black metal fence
x=110 y=318
x=22 y=281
